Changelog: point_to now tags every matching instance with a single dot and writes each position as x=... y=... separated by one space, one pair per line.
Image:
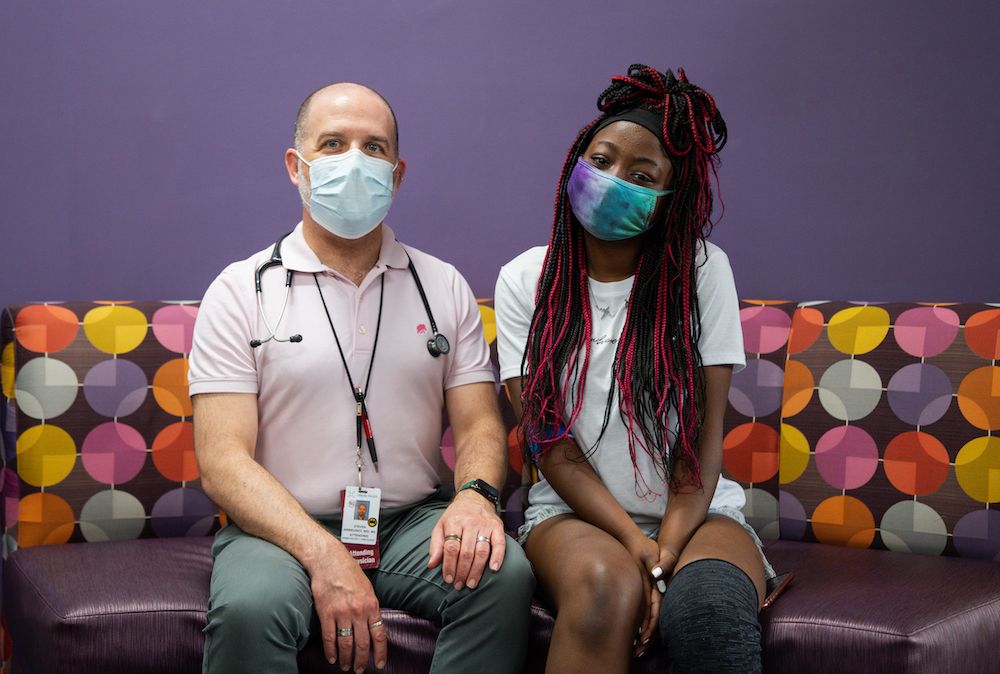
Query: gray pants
x=261 y=608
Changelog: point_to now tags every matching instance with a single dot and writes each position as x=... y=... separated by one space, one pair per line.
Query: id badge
x=359 y=529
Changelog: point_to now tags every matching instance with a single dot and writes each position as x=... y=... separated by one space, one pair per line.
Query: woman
x=617 y=344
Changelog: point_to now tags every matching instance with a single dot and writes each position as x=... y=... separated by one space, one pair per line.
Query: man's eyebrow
x=378 y=139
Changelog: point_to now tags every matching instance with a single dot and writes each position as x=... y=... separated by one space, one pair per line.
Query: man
x=288 y=426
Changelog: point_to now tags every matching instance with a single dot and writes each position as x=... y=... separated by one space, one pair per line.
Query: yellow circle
x=858 y=330
x=115 y=329
x=977 y=469
x=7 y=370
x=489 y=317
x=794 y=454
x=45 y=455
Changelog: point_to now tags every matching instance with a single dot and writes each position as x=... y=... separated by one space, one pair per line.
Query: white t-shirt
x=721 y=342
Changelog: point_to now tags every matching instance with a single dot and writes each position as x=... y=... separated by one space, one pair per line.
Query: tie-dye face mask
x=608 y=207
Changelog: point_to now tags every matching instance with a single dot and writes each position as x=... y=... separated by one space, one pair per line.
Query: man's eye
x=374 y=147
x=333 y=142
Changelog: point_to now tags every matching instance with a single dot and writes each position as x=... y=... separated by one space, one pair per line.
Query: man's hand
x=345 y=600
x=468 y=534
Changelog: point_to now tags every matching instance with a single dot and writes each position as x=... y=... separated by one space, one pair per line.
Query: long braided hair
x=657 y=365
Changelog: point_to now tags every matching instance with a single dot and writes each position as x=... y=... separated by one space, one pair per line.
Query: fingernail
x=459 y=585
x=661 y=586
x=333 y=661
x=656 y=572
x=472 y=585
x=380 y=665
x=447 y=579
x=635 y=641
x=647 y=641
x=495 y=567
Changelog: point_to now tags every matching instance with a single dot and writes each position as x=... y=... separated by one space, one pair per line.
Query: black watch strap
x=485 y=488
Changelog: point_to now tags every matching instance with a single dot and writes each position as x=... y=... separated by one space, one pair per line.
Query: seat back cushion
x=888 y=428
x=96 y=424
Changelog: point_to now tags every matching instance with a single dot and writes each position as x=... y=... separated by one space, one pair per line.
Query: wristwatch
x=488 y=491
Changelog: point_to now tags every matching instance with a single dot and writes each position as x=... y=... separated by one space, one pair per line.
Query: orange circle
x=807 y=324
x=515 y=449
x=979 y=398
x=750 y=452
x=44 y=519
x=844 y=520
x=982 y=333
x=173 y=452
x=916 y=463
x=798 y=390
x=46 y=328
x=170 y=388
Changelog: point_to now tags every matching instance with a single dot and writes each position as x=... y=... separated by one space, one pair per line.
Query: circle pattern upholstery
x=899 y=447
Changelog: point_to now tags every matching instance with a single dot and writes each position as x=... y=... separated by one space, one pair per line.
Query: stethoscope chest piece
x=439 y=345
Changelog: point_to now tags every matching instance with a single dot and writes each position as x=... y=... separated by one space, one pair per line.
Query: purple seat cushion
x=139 y=606
x=852 y=610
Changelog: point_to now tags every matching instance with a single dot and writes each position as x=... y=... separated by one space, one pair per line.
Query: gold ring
x=453 y=537
x=377 y=623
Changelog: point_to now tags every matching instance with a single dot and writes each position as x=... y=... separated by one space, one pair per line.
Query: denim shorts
x=540 y=513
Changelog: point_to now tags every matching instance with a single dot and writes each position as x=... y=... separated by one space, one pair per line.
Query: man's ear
x=397 y=175
x=292 y=165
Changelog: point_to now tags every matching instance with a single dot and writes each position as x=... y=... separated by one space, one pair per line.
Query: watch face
x=488 y=489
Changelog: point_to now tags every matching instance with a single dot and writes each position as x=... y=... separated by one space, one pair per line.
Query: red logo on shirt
x=421 y=329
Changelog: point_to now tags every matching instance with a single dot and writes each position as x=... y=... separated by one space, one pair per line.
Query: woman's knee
x=603 y=596
x=708 y=620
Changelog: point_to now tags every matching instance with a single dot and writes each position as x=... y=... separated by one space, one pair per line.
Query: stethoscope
x=436 y=345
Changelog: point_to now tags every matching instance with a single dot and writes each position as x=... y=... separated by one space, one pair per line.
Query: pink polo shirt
x=306 y=413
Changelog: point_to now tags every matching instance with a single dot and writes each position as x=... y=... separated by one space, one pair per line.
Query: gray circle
x=112 y=515
x=850 y=389
x=911 y=526
x=761 y=512
x=45 y=388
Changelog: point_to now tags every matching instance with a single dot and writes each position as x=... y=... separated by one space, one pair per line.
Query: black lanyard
x=364 y=426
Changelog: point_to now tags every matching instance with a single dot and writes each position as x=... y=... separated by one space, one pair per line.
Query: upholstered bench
x=862 y=434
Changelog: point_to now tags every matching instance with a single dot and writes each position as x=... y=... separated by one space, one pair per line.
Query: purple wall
x=141 y=143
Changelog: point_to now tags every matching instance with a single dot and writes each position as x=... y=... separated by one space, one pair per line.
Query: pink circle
x=846 y=457
x=113 y=453
x=173 y=327
x=448 y=448
x=925 y=331
x=765 y=329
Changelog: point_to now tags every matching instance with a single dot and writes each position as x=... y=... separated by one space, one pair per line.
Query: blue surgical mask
x=608 y=207
x=350 y=193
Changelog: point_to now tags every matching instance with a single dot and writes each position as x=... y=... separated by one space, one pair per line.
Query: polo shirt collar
x=297 y=256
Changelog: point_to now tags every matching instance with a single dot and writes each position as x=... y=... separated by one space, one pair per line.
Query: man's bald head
x=302 y=118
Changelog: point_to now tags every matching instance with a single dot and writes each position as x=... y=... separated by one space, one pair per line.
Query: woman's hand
x=656 y=573
x=646 y=554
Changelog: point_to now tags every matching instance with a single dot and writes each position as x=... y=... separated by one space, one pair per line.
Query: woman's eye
x=600 y=161
x=642 y=178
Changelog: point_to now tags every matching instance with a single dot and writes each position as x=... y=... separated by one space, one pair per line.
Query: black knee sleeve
x=708 y=620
